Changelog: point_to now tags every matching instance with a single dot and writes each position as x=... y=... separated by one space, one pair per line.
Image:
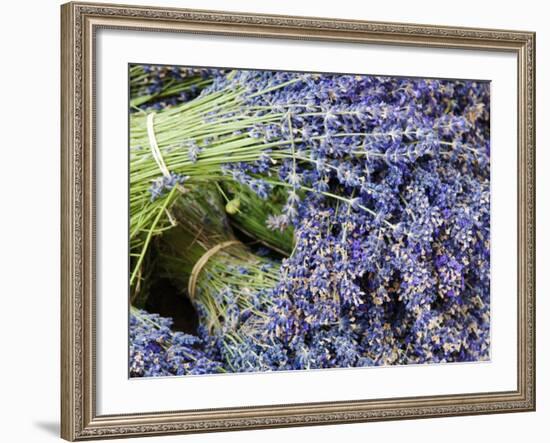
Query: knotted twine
x=155 y=151
x=201 y=262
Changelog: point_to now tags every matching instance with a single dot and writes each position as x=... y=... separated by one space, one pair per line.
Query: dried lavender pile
x=345 y=221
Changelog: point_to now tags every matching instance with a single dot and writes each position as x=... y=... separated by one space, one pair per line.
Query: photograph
x=284 y=220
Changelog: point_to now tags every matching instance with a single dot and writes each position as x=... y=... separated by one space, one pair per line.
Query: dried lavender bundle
x=158 y=87
x=227 y=283
x=155 y=350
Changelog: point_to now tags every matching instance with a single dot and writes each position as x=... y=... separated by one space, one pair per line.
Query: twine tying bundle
x=157 y=155
x=154 y=145
x=201 y=262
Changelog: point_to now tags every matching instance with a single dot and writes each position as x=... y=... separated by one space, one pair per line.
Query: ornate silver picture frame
x=80 y=22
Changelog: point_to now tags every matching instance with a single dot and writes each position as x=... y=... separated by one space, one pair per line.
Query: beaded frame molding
x=79 y=22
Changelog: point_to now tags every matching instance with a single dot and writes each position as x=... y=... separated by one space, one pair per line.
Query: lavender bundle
x=155 y=350
x=205 y=139
x=229 y=285
x=220 y=274
x=157 y=87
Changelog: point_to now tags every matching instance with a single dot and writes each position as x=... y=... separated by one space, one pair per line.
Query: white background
x=117 y=394
x=29 y=171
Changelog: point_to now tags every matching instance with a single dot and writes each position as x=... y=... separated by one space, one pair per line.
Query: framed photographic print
x=281 y=221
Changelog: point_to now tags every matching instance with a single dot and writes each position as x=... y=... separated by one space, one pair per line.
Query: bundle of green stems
x=222 y=276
